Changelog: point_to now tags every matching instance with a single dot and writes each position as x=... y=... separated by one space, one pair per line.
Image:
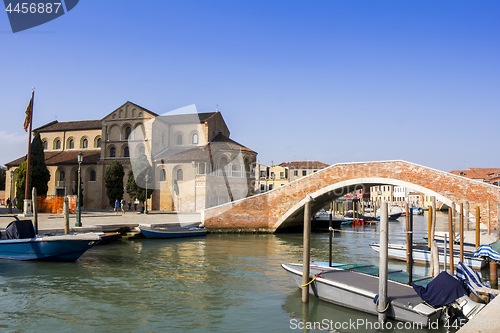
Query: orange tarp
x=54 y=205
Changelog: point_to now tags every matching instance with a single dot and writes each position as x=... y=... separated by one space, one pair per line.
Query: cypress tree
x=114 y=182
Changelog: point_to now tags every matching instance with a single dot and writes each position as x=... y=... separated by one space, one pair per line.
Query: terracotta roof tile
x=56 y=126
x=64 y=157
x=218 y=143
x=485 y=174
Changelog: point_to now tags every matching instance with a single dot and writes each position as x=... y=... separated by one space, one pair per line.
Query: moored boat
x=171 y=232
x=349 y=286
x=422 y=254
x=19 y=242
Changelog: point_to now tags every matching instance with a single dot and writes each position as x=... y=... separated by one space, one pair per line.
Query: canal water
x=217 y=283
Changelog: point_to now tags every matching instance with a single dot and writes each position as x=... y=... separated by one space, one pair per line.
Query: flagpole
x=26 y=190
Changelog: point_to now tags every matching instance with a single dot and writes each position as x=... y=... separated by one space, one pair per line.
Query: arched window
x=85 y=143
x=71 y=144
x=62 y=176
x=180 y=175
x=142 y=150
x=128 y=130
x=112 y=152
x=179 y=140
x=163 y=175
x=58 y=144
x=92 y=176
x=195 y=139
x=45 y=145
x=98 y=143
x=126 y=152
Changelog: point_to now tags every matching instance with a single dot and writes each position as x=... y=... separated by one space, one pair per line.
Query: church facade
x=195 y=163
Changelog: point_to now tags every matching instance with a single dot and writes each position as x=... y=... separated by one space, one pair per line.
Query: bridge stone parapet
x=283 y=207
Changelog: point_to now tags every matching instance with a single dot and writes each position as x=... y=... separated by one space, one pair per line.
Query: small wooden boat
x=422 y=254
x=172 y=232
x=19 y=242
x=354 y=287
x=107 y=237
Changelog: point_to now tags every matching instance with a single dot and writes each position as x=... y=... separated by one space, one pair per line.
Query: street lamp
x=78 y=200
x=11 y=187
x=146 y=207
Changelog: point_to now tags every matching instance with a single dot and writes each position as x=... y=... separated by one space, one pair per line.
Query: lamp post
x=11 y=187
x=146 y=207
x=78 y=200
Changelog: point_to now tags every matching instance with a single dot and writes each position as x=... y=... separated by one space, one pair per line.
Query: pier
x=105 y=221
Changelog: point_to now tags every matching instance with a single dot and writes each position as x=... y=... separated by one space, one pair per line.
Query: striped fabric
x=471 y=278
x=487 y=252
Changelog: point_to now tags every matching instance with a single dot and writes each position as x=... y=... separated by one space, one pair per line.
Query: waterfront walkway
x=103 y=220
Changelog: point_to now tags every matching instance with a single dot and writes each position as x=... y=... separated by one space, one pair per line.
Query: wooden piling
x=307 y=251
x=330 y=237
x=489 y=216
x=66 y=215
x=383 y=263
x=408 y=244
x=429 y=227
x=478 y=227
x=466 y=216
x=35 y=209
x=434 y=249
x=451 y=238
x=494 y=274
x=410 y=232
x=462 y=232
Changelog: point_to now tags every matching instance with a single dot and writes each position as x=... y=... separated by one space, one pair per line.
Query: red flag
x=29 y=111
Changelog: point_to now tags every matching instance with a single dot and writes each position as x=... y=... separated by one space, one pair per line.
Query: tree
x=114 y=182
x=39 y=174
x=75 y=190
x=136 y=182
x=21 y=185
x=2 y=178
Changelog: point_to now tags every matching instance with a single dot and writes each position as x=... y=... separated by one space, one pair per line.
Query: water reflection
x=220 y=283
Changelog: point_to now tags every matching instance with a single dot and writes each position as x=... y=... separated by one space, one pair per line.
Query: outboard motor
x=468 y=307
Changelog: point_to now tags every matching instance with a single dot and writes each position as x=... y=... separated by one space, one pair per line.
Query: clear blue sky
x=335 y=81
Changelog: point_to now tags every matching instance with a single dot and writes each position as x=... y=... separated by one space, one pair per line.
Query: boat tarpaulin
x=442 y=290
x=486 y=251
x=469 y=277
x=20 y=229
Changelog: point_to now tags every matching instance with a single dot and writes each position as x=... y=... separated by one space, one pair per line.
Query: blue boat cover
x=442 y=290
x=471 y=278
x=20 y=229
x=486 y=251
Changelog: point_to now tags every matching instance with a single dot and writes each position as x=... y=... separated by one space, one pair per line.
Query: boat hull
x=54 y=248
x=172 y=232
x=359 y=298
x=396 y=251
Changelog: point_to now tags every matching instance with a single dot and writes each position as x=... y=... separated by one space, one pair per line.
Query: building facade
x=195 y=163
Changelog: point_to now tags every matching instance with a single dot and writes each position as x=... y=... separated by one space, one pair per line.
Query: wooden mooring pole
x=35 y=209
x=478 y=227
x=462 y=232
x=383 y=263
x=330 y=237
x=307 y=250
x=66 y=215
x=450 y=234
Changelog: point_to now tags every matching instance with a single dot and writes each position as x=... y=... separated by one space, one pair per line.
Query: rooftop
x=304 y=165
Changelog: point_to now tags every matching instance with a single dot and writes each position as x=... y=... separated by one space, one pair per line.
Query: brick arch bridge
x=284 y=206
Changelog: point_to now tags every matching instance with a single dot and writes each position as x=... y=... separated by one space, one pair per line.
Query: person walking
x=129 y=204
x=123 y=206
x=117 y=205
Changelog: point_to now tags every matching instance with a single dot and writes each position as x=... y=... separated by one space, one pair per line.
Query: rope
x=308 y=283
x=384 y=310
